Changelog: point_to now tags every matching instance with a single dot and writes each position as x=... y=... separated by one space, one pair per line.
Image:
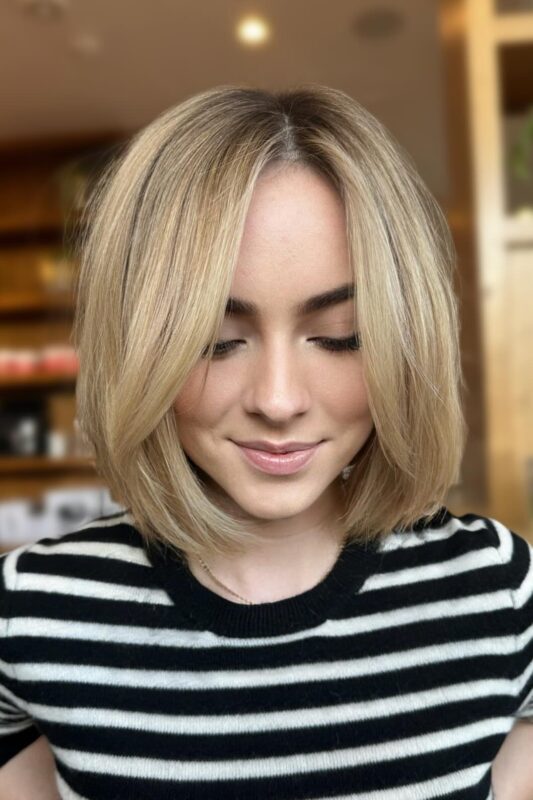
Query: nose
x=277 y=386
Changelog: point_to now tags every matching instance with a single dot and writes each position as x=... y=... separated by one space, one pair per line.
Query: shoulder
x=96 y=556
x=467 y=544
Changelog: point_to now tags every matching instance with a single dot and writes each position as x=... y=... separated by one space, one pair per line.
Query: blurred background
x=451 y=79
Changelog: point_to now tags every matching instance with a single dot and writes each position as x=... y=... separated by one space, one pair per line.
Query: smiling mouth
x=271 y=447
x=279 y=463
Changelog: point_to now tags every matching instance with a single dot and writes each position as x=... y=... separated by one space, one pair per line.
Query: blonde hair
x=162 y=235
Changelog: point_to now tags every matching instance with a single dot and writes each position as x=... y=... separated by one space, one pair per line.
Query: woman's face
x=279 y=383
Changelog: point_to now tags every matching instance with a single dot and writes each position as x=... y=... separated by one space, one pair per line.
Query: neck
x=272 y=571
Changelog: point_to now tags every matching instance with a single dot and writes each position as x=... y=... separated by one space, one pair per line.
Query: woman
x=270 y=379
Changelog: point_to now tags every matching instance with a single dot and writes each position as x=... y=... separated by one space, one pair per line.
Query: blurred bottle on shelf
x=56 y=273
x=59 y=511
x=57 y=444
x=22 y=426
x=54 y=358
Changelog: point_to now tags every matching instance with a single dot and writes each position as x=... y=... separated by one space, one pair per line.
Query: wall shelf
x=44 y=186
x=37 y=380
x=517 y=231
x=16 y=303
x=510 y=28
x=11 y=465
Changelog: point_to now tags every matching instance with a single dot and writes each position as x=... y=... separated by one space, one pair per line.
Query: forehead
x=294 y=250
x=293 y=203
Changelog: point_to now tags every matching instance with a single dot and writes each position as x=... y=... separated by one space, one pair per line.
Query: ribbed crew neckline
x=307 y=609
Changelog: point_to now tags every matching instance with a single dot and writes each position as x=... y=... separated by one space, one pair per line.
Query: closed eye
x=348 y=343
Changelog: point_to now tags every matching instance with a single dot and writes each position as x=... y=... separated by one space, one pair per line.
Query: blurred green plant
x=521 y=150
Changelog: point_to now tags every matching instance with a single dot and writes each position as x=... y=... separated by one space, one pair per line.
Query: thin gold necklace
x=244 y=599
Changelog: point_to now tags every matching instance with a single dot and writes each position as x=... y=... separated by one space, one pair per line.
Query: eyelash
x=349 y=343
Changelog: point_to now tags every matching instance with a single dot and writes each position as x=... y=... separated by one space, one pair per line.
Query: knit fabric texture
x=397 y=677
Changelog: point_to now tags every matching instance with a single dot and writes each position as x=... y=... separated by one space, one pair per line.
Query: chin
x=277 y=502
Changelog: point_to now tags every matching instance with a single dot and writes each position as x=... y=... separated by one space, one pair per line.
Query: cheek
x=346 y=395
x=353 y=406
x=203 y=399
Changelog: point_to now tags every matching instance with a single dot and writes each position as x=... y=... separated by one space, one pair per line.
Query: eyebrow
x=237 y=307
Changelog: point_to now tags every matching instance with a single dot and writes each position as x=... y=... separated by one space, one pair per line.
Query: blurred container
x=71 y=508
x=16 y=521
x=57 y=444
x=22 y=426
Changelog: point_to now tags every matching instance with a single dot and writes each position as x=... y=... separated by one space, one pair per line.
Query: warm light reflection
x=253 y=31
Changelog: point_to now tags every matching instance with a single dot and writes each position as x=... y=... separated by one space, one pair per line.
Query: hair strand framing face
x=164 y=225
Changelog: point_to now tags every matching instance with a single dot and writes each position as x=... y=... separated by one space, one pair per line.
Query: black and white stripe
x=396 y=678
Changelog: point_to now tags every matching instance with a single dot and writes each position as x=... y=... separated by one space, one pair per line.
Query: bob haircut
x=157 y=253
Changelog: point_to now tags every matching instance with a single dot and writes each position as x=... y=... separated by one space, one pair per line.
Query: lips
x=279 y=463
x=276 y=448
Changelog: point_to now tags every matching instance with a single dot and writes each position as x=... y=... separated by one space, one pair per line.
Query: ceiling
x=116 y=64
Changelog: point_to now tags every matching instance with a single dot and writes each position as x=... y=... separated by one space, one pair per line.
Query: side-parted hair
x=157 y=255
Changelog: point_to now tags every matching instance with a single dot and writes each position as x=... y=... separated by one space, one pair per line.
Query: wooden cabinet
x=488 y=63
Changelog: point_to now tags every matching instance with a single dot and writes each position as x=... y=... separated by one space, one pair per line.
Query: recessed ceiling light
x=378 y=22
x=253 y=31
x=86 y=44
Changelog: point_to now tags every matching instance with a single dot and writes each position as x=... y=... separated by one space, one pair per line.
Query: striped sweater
x=397 y=677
